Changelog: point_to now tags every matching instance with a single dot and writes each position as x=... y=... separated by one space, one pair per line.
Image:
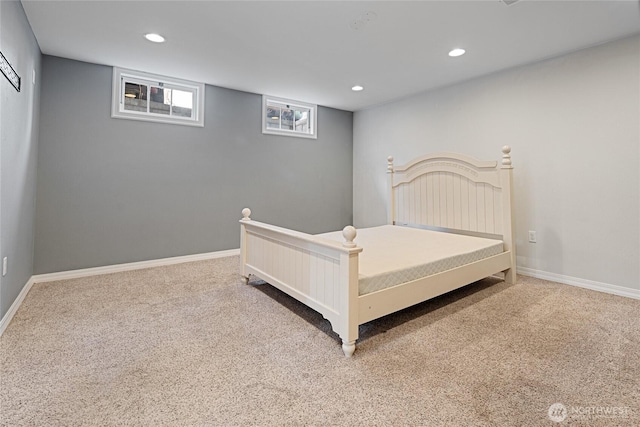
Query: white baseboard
x=15 y=306
x=582 y=283
x=117 y=268
x=86 y=272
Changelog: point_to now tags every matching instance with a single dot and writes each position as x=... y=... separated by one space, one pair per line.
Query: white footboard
x=321 y=274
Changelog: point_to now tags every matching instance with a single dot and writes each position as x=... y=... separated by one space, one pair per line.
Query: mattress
x=393 y=255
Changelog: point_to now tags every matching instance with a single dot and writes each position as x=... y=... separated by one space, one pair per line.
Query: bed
x=450 y=223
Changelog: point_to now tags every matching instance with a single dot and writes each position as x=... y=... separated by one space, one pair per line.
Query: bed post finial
x=390 y=164
x=349 y=233
x=506 y=157
x=245 y=214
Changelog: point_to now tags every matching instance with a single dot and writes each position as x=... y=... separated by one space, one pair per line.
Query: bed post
x=243 y=244
x=348 y=285
x=508 y=235
x=391 y=217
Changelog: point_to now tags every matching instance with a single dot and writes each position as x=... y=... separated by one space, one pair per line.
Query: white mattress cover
x=394 y=254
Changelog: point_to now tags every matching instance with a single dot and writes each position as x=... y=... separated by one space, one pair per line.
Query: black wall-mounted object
x=9 y=72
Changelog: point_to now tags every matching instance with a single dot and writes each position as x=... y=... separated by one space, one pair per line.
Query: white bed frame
x=449 y=192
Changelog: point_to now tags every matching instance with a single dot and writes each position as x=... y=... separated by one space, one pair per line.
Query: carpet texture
x=190 y=344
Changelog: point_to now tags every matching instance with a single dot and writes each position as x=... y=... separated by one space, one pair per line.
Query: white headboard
x=455 y=192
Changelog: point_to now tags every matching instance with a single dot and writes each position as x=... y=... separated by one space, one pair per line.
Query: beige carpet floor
x=191 y=345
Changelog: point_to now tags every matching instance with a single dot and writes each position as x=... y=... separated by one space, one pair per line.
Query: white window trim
x=313 y=125
x=117 y=107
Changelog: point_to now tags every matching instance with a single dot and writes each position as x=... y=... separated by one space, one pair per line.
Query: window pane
x=160 y=100
x=182 y=103
x=273 y=117
x=302 y=120
x=135 y=97
x=286 y=119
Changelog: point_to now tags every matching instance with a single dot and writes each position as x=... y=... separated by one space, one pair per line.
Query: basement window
x=287 y=117
x=149 y=97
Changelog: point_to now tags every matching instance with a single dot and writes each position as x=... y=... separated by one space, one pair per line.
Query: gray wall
x=115 y=191
x=18 y=151
x=574 y=125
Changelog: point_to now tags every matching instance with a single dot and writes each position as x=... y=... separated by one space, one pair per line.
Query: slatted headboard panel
x=453 y=191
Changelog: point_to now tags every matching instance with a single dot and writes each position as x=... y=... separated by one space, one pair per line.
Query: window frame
x=312 y=118
x=120 y=75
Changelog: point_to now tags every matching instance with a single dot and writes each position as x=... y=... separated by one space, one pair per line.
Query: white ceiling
x=308 y=50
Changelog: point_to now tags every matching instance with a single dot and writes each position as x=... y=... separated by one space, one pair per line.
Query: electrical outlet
x=532 y=236
x=4 y=266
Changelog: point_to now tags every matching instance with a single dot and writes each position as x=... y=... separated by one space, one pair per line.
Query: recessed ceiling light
x=357 y=88
x=152 y=37
x=457 y=52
